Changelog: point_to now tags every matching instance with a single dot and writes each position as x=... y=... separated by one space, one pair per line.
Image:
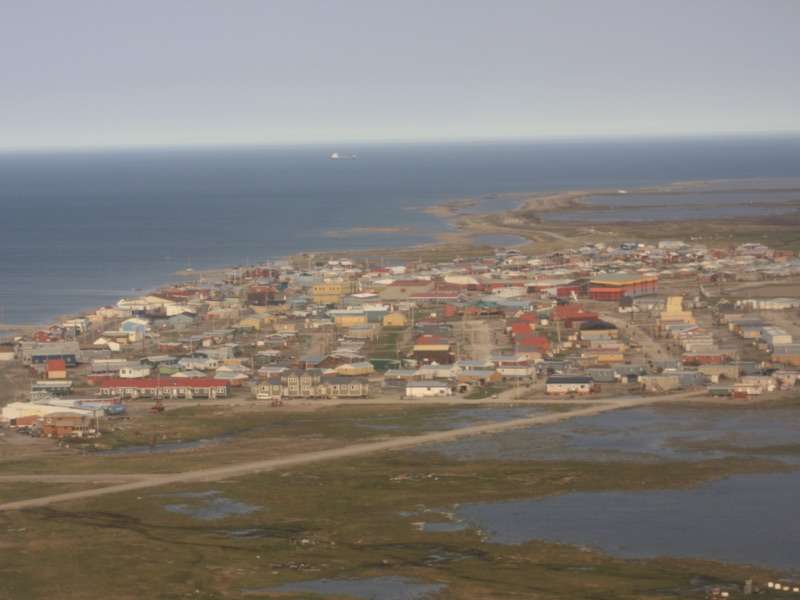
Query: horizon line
x=567 y=137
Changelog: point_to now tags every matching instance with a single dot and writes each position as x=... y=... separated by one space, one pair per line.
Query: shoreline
x=522 y=221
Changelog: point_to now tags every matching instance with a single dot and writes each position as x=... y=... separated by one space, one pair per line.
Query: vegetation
x=349 y=519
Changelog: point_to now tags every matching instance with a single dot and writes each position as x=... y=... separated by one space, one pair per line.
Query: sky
x=96 y=73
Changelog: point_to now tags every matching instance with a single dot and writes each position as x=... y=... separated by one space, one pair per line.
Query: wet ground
x=671 y=207
x=642 y=434
x=750 y=519
x=375 y=588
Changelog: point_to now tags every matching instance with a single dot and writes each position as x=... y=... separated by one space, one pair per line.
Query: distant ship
x=337 y=156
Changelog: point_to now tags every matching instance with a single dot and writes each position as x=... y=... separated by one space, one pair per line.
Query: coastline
x=523 y=221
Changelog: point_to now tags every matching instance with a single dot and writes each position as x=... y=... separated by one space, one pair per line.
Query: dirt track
x=260 y=466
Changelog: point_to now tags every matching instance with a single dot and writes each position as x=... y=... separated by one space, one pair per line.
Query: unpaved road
x=362 y=449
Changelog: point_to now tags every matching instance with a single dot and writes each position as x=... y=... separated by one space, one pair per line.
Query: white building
x=428 y=389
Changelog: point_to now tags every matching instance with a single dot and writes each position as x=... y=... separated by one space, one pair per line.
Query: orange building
x=615 y=286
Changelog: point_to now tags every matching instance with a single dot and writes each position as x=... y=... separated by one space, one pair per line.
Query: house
x=598 y=330
x=348 y=318
x=56 y=368
x=478 y=377
x=310 y=383
x=775 y=336
x=718 y=372
x=559 y=385
x=432 y=348
x=292 y=384
x=754 y=385
x=395 y=319
x=57 y=387
x=787 y=355
x=40 y=352
x=514 y=367
x=355 y=369
x=134 y=370
x=405 y=289
x=573 y=314
x=69 y=425
x=397 y=378
x=428 y=389
x=189 y=387
x=345 y=387
x=135 y=328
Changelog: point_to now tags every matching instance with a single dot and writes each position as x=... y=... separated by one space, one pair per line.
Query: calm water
x=82 y=229
x=747 y=519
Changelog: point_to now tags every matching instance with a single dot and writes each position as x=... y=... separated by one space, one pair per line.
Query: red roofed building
x=56 y=368
x=536 y=343
x=520 y=329
x=573 y=314
x=530 y=317
x=176 y=387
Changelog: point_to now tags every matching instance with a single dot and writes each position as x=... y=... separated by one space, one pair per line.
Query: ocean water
x=82 y=229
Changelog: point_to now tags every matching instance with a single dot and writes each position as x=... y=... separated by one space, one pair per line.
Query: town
x=600 y=320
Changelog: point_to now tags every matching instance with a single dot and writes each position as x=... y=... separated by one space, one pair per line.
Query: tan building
x=673 y=313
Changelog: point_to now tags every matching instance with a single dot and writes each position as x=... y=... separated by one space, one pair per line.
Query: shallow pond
x=747 y=519
x=375 y=588
x=640 y=434
x=208 y=505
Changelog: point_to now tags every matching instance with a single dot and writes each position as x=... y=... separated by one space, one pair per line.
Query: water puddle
x=208 y=506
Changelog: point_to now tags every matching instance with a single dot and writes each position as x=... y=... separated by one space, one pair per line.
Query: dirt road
x=362 y=449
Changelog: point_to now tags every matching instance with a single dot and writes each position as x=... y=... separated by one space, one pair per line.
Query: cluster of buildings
x=344 y=328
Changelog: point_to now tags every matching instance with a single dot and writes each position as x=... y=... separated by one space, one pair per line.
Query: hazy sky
x=108 y=72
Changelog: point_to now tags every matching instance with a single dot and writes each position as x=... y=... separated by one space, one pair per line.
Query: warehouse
x=615 y=286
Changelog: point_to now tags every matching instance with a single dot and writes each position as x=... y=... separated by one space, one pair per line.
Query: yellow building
x=357 y=318
x=395 y=319
x=331 y=292
x=355 y=369
x=253 y=323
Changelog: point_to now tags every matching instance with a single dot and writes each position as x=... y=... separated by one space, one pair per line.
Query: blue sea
x=82 y=229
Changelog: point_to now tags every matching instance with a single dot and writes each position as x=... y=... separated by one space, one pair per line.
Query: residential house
x=560 y=385
x=428 y=389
